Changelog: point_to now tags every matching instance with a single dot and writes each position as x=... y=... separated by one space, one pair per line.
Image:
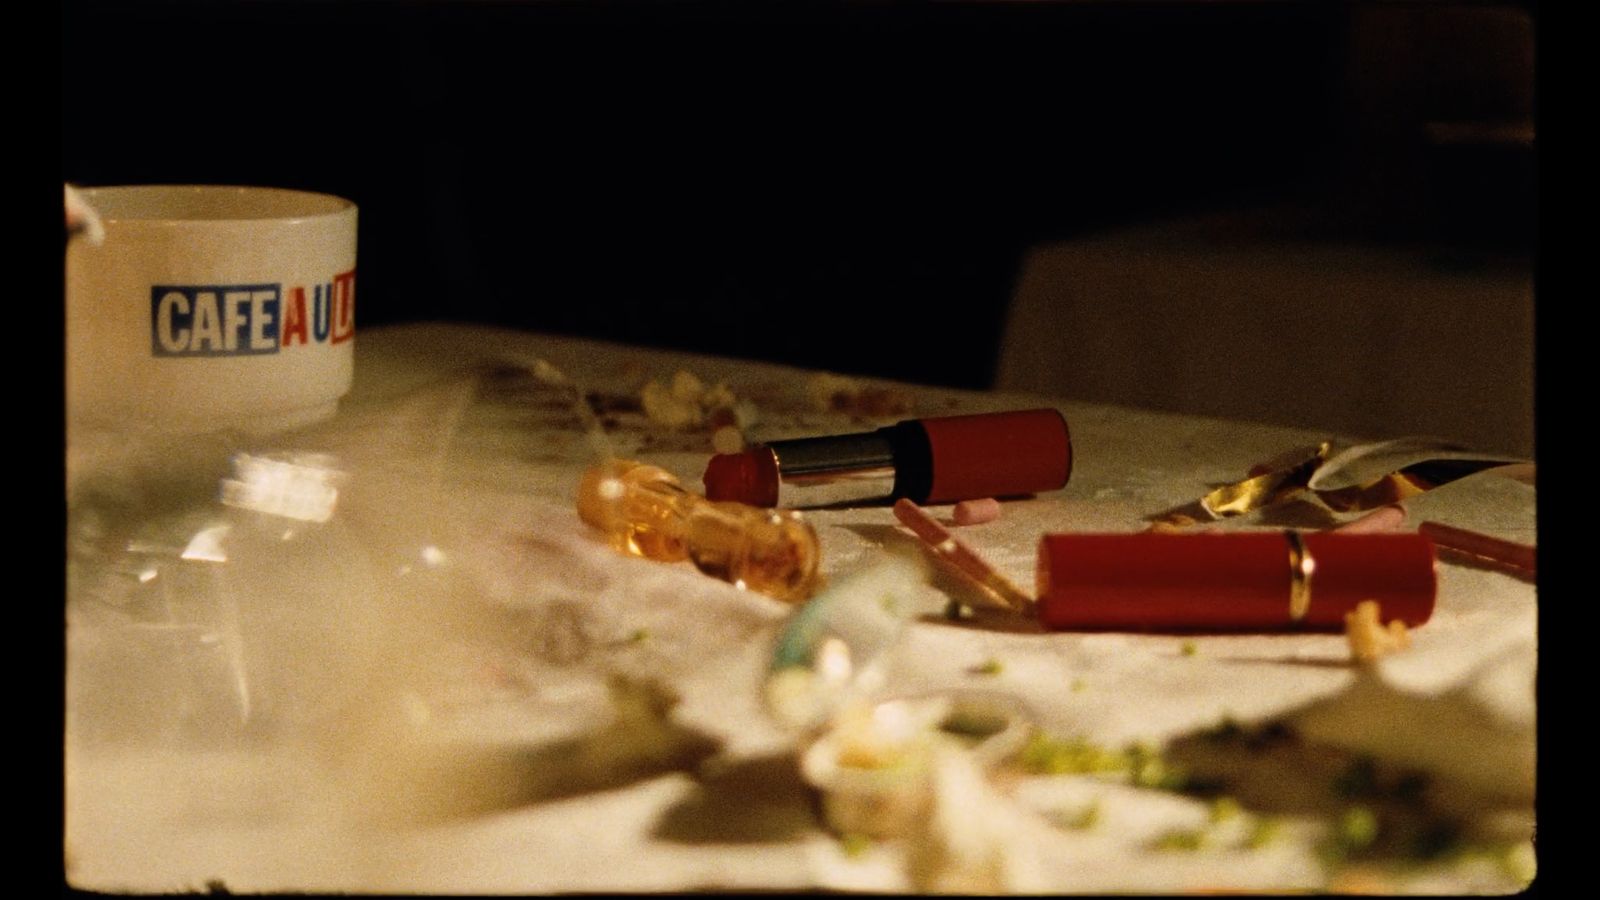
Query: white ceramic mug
x=209 y=307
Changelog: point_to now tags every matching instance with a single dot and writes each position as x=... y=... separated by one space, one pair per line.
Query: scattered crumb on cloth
x=1369 y=638
x=687 y=404
x=836 y=393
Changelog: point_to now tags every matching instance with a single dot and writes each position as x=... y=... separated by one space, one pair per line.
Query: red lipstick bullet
x=1241 y=581
x=939 y=460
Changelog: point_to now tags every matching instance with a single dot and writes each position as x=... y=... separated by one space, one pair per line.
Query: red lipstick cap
x=1242 y=581
x=998 y=454
x=749 y=477
x=1397 y=570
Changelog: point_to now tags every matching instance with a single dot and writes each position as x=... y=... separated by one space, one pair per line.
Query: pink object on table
x=1384 y=518
x=995 y=587
x=976 y=512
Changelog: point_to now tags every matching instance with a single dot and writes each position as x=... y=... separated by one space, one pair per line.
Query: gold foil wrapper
x=1355 y=479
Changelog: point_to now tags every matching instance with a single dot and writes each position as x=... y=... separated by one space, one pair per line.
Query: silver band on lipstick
x=846 y=468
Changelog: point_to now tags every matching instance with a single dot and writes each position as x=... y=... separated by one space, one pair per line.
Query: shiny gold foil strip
x=1293 y=473
x=1301 y=568
x=1284 y=480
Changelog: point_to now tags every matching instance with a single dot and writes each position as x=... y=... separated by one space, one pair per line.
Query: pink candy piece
x=977 y=512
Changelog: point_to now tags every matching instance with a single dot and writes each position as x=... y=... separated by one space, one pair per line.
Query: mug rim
x=210 y=204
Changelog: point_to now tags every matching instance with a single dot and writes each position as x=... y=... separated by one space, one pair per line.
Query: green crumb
x=990 y=666
x=1357 y=828
x=1146 y=768
x=1045 y=755
x=855 y=845
x=1142 y=765
x=1180 y=839
x=1223 y=809
x=1078 y=685
x=1188 y=648
x=889 y=603
x=639 y=636
x=1082 y=820
x=1161 y=775
x=973 y=724
x=1262 y=833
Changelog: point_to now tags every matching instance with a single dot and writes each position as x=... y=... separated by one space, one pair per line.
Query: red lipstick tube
x=941 y=460
x=1241 y=581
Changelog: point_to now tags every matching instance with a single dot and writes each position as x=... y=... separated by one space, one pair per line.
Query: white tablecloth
x=462 y=465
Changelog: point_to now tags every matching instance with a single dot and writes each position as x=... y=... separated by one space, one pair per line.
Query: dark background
x=849 y=186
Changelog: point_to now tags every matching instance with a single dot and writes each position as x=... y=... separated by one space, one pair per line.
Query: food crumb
x=547 y=373
x=976 y=512
x=1223 y=809
x=972 y=724
x=822 y=387
x=837 y=393
x=718 y=397
x=1369 y=638
x=1262 y=833
x=855 y=844
x=1357 y=828
x=687 y=386
x=989 y=666
x=1081 y=820
x=1148 y=769
x=1045 y=755
x=1180 y=839
x=1188 y=648
x=667 y=409
x=685 y=403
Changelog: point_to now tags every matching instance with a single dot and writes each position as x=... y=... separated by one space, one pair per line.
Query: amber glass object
x=643 y=510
